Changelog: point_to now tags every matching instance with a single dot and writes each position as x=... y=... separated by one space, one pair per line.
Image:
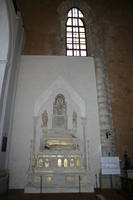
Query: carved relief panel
x=59 y=112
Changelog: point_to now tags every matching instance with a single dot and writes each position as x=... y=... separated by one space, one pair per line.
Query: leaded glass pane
x=80 y=14
x=69 y=29
x=69 y=40
x=76 y=46
x=75 y=29
x=70 y=13
x=83 y=46
x=75 y=40
x=76 y=53
x=69 y=22
x=82 y=40
x=69 y=46
x=82 y=35
x=82 y=29
x=83 y=53
x=69 y=53
x=75 y=22
x=75 y=35
x=80 y=22
x=75 y=12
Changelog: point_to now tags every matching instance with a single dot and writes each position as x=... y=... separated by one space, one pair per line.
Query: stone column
x=104 y=107
x=84 y=140
x=35 y=120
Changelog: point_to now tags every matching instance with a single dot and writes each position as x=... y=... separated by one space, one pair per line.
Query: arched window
x=72 y=162
x=59 y=164
x=65 y=163
x=75 y=34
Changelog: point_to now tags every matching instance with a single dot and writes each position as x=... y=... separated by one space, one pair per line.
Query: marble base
x=59 y=184
x=32 y=190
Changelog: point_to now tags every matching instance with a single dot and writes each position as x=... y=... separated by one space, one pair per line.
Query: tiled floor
x=19 y=195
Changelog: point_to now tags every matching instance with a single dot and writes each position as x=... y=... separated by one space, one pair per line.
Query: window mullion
x=79 y=35
x=72 y=35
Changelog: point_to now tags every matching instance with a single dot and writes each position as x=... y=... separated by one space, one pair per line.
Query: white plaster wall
x=4 y=47
x=37 y=73
x=4 y=39
x=11 y=42
x=4 y=30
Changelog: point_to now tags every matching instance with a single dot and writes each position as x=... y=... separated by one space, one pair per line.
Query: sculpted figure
x=74 y=120
x=44 y=119
x=60 y=106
